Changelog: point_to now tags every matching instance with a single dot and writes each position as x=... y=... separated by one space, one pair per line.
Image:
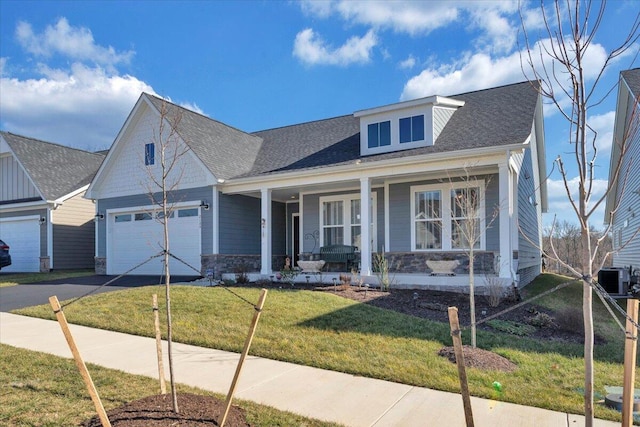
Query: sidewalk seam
x=392 y=406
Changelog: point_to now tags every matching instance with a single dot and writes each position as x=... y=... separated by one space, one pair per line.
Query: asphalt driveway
x=27 y=295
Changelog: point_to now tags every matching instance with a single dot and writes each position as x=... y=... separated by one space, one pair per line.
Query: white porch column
x=365 y=226
x=506 y=211
x=265 y=229
x=215 y=212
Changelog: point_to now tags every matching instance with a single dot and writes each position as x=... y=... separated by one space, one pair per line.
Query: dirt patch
x=479 y=358
x=157 y=411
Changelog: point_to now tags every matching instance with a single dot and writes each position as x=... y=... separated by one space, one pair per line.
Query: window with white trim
x=451 y=222
x=411 y=129
x=340 y=220
x=379 y=134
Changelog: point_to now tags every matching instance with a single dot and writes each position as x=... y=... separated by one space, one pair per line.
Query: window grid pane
x=385 y=133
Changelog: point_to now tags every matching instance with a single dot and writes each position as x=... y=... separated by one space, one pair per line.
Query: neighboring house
x=44 y=218
x=245 y=201
x=623 y=201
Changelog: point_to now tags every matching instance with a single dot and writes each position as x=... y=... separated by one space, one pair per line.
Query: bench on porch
x=341 y=254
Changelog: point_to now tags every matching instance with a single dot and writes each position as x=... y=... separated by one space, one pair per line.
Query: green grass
x=327 y=331
x=12 y=279
x=38 y=389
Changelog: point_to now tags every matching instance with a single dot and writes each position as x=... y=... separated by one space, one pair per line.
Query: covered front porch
x=299 y=216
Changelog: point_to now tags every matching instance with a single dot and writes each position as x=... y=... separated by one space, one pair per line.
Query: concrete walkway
x=326 y=395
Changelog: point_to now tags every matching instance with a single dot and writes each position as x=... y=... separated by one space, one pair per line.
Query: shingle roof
x=226 y=151
x=55 y=170
x=490 y=117
x=632 y=77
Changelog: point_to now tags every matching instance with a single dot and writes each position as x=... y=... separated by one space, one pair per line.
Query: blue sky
x=70 y=71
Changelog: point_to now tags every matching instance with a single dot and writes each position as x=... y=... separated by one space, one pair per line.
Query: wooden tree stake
x=62 y=320
x=245 y=351
x=462 y=373
x=156 y=322
x=630 y=352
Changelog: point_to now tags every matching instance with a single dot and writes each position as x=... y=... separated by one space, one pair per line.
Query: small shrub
x=513 y=328
x=570 y=319
x=381 y=270
x=541 y=320
x=242 y=278
x=496 y=291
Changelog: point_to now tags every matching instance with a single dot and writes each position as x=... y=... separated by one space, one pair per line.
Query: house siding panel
x=74 y=234
x=129 y=175
x=279 y=231
x=14 y=182
x=529 y=222
x=400 y=217
x=627 y=222
x=440 y=118
x=239 y=225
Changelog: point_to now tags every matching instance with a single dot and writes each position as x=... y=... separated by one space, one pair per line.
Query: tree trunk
x=167 y=277
x=587 y=313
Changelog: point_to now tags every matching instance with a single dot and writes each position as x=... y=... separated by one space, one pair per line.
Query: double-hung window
x=340 y=220
x=448 y=216
x=427 y=217
x=465 y=218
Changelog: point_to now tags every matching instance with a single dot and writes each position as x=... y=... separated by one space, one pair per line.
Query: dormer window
x=379 y=134
x=412 y=129
x=149 y=154
x=405 y=125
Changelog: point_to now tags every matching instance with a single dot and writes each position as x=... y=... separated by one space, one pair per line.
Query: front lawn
x=327 y=331
x=38 y=389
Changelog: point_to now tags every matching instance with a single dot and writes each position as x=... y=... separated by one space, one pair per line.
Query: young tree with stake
x=569 y=82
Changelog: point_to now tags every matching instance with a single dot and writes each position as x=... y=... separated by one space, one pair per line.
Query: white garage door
x=136 y=236
x=22 y=234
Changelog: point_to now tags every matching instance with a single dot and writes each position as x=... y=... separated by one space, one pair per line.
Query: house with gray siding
x=246 y=201
x=44 y=218
x=623 y=201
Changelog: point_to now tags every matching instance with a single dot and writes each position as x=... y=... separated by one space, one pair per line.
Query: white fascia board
x=25 y=206
x=61 y=200
x=431 y=100
x=95 y=182
x=383 y=168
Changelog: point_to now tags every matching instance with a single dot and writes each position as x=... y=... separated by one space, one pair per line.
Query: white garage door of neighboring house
x=136 y=236
x=22 y=235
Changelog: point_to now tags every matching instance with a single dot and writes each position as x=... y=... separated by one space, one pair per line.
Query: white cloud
x=474 y=72
x=76 y=43
x=312 y=50
x=83 y=108
x=497 y=21
x=481 y=70
x=82 y=105
x=408 y=63
x=560 y=206
x=603 y=125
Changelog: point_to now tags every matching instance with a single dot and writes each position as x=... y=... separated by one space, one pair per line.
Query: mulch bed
x=157 y=411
